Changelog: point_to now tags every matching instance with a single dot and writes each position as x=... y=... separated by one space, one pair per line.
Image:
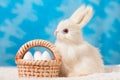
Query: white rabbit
x=78 y=57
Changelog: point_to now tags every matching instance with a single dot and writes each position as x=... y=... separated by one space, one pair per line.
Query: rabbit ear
x=83 y=16
x=77 y=12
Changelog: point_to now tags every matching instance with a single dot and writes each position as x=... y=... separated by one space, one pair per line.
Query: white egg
x=28 y=56
x=46 y=56
x=37 y=55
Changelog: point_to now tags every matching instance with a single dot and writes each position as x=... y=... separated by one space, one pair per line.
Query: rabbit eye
x=65 y=30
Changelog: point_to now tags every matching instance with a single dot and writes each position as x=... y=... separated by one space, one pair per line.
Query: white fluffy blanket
x=112 y=73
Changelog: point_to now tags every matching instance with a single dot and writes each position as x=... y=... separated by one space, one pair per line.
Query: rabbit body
x=78 y=57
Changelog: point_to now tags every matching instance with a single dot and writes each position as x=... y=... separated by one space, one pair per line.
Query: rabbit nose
x=56 y=32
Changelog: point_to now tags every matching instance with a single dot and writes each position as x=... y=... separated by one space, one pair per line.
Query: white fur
x=78 y=57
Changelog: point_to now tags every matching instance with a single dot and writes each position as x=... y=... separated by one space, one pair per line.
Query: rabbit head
x=69 y=30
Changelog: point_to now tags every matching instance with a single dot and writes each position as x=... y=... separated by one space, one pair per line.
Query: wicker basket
x=38 y=68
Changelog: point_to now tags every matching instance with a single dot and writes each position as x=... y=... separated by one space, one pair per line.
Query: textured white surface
x=112 y=73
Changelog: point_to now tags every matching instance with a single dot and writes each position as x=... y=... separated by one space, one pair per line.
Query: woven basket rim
x=38 y=62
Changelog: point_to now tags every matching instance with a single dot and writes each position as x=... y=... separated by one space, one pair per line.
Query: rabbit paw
x=76 y=75
x=71 y=75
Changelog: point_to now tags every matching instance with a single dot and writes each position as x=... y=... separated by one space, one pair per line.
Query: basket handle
x=22 y=51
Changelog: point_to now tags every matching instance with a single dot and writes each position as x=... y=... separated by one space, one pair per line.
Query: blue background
x=24 y=20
